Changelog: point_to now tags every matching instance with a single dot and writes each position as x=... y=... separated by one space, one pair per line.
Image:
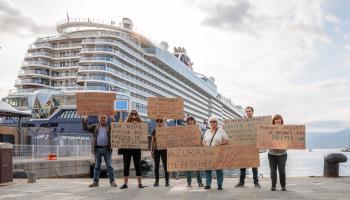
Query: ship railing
x=23 y=152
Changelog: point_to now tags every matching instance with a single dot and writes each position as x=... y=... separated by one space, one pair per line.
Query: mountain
x=328 y=140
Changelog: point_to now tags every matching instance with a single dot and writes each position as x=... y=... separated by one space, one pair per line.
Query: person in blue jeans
x=101 y=147
x=215 y=136
x=192 y=121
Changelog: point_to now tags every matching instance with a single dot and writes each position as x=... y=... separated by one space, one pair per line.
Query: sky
x=279 y=56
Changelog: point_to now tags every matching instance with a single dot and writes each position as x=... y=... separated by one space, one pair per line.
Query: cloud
x=333 y=19
x=15 y=22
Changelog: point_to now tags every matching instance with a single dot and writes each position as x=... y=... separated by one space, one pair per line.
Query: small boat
x=345 y=150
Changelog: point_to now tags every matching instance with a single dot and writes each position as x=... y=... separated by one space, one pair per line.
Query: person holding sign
x=249 y=112
x=135 y=153
x=101 y=146
x=278 y=159
x=192 y=121
x=157 y=155
x=215 y=136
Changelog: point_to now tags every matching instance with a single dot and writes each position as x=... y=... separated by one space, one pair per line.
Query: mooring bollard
x=331 y=164
x=31 y=177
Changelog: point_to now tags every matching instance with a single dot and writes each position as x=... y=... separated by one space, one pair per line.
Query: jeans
x=189 y=177
x=243 y=174
x=278 y=161
x=160 y=154
x=107 y=155
x=219 y=177
x=136 y=154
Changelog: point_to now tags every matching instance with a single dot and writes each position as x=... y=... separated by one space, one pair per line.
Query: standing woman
x=192 y=121
x=215 y=136
x=159 y=154
x=135 y=153
x=278 y=158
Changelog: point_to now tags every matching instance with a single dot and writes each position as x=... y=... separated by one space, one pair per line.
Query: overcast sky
x=280 y=56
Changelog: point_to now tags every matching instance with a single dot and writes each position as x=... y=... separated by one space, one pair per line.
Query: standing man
x=101 y=146
x=249 y=112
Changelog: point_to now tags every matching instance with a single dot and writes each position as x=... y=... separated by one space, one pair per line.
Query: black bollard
x=331 y=164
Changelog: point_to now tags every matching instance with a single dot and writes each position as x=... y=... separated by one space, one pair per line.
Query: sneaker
x=94 y=184
x=113 y=184
x=284 y=189
x=167 y=184
x=156 y=184
x=140 y=186
x=200 y=185
x=124 y=186
x=273 y=188
x=207 y=187
x=189 y=185
x=219 y=187
x=239 y=185
x=257 y=185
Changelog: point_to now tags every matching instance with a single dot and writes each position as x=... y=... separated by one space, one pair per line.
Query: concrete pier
x=64 y=189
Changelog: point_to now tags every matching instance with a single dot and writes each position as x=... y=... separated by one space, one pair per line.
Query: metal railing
x=43 y=151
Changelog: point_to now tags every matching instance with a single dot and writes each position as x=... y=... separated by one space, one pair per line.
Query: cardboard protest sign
x=281 y=136
x=10 y=130
x=94 y=103
x=129 y=135
x=165 y=108
x=178 y=136
x=243 y=130
x=219 y=157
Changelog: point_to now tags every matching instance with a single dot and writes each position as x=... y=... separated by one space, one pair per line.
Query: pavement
x=65 y=189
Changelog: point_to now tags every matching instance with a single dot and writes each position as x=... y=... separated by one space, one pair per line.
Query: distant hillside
x=328 y=140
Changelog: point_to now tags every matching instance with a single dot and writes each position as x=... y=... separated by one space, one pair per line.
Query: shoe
x=284 y=189
x=257 y=185
x=113 y=184
x=167 y=183
x=207 y=187
x=94 y=184
x=219 y=187
x=140 y=186
x=273 y=188
x=156 y=184
x=239 y=185
x=200 y=185
x=189 y=185
x=124 y=186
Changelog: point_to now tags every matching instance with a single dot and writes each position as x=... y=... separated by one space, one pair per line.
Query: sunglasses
x=213 y=121
x=159 y=121
x=133 y=114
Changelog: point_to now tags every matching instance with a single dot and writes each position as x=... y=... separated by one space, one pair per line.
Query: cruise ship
x=105 y=56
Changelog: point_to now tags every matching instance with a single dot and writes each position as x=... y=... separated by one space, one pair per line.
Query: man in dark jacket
x=101 y=146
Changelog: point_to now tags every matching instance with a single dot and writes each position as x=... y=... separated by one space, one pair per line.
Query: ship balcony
x=66 y=75
x=33 y=82
x=51 y=56
x=50 y=46
x=19 y=91
x=34 y=73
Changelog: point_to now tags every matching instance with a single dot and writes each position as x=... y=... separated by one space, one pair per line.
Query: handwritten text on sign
x=129 y=135
x=243 y=130
x=165 y=108
x=219 y=157
x=178 y=136
x=281 y=137
x=93 y=103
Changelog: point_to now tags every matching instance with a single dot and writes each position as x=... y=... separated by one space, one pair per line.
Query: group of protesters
x=213 y=136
